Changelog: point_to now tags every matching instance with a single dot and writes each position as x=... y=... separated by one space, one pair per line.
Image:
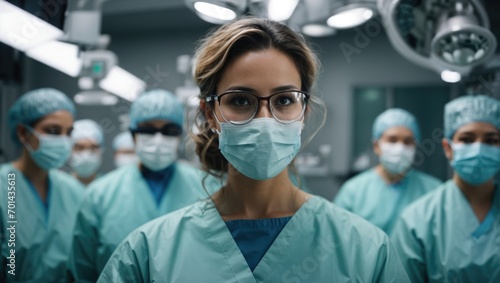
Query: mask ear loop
x=27 y=145
x=214 y=130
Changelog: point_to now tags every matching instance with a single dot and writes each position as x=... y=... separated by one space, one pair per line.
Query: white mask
x=157 y=151
x=396 y=158
x=85 y=163
x=123 y=159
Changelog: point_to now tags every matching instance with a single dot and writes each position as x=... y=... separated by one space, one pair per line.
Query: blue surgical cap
x=469 y=109
x=36 y=104
x=156 y=104
x=395 y=117
x=87 y=130
x=124 y=141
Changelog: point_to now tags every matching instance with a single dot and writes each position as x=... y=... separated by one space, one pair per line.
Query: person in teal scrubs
x=124 y=149
x=453 y=233
x=38 y=203
x=88 y=147
x=380 y=194
x=255 y=114
x=126 y=198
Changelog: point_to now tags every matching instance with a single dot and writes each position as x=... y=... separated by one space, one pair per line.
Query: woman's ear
x=22 y=133
x=208 y=112
x=376 y=147
x=448 y=151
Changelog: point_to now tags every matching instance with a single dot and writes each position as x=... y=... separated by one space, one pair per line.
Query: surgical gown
x=42 y=234
x=118 y=203
x=439 y=239
x=320 y=243
x=369 y=196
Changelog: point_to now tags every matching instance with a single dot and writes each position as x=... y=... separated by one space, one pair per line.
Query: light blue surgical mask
x=52 y=152
x=86 y=163
x=262 y=148
x=475 y=163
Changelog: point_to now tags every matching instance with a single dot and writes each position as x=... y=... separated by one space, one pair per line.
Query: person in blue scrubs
x=453 y=233
x=38 y=203
x=256 y=112
x=88 y=146
x=124 y=148
x=126 y=198
x=380 y=194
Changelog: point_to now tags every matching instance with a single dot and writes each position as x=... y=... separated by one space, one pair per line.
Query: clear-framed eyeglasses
x=240 y=107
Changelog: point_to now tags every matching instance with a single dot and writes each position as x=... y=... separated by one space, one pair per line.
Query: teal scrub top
x=320 y=243
x=440 y=239
x=369 y=196
x=43 y=233
x=118 y=203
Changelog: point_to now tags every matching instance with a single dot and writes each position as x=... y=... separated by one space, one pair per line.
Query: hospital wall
x=151 y=55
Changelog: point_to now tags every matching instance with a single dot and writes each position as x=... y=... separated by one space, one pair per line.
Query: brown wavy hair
x=226 y=44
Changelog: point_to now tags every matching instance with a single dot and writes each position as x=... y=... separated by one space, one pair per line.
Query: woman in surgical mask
x=256 y=79
x=124 y=199
x=124 y=147
x=38 y=203
x=86 y=158
x=453 y=233
x=381 y=193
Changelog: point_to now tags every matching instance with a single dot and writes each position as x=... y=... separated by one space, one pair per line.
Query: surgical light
x=450 y=76
x=317 y=30
x=58 y=55
x=279 y=10
x=95 y=97
x=22 y=30
x=217 y=11
x=122 y=83
x=349 y=18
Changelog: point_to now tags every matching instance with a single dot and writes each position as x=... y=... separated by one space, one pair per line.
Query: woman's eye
x=53 y=131
x=465 y=140
x=284 y=100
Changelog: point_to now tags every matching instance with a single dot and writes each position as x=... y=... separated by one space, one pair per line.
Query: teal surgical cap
x=123 y=141
x=36 y=104
x=469 y=109
x=87 y=130
x=156 y=104
x=395 y=117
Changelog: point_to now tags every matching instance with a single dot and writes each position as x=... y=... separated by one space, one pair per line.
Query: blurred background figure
x=453 y=233
x=134 y=194
x=381 y=193
x=88 y=146
x=45 y=200
x=124 y=147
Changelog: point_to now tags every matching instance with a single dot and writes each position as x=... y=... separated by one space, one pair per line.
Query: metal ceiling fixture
x=351 y=13
x=451 y=37
x=217 y=11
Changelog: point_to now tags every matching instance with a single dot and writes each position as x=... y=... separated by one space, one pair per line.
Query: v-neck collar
x=471 y=224
x=221 y=237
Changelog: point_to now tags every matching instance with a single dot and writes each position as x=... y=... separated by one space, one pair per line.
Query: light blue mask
x=262 y=148
x=52 y=152
x=475 y=163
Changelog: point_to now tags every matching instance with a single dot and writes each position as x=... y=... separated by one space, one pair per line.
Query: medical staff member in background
x=453 y=233
x=255 y=78
x=88 y=145
x=124 y=147
x=45 y=200
x=134 y=194
x=380 y=194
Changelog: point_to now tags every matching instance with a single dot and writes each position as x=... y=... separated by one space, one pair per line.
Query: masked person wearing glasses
x=255 y=78
x=380 y=194
x=88 y=142
x=134 y=194
x=453 y=233
x=38 y=204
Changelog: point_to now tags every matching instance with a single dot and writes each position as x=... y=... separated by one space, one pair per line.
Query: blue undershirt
x=158 y=181
x=255 y=237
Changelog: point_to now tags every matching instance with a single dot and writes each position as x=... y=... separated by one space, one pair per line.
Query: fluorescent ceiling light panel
x=22 y=30
x=122 y=83
x=279 y=10
x=58 y=55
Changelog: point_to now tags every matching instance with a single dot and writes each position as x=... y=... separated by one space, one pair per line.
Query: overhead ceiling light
x=217 y=11
x=317 y=30
x=58 y=55
x=349 y=17
x=279 y=10
x=122 y=83
x=95 y=97
x=22 y=30
x=450 y=76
